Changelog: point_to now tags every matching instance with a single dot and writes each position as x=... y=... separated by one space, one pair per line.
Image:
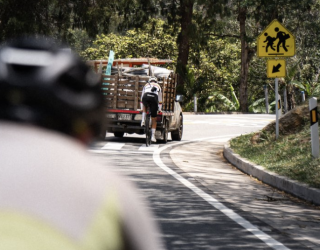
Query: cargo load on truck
x=123 y=88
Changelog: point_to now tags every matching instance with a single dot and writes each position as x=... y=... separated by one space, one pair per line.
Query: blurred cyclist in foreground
x=52 y=195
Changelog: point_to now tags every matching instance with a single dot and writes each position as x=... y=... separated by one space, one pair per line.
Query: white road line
x=214 y=202
x=113 y=152
x=150 y=148
x=113 y=146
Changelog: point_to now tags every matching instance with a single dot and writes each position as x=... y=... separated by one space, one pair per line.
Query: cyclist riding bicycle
x=152 y=97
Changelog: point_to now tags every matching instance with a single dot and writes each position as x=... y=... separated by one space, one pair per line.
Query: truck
x=123 y=88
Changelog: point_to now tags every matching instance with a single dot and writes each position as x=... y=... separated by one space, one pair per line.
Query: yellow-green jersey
x=52 y=196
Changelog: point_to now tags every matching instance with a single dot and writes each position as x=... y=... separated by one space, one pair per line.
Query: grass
x=289 y=155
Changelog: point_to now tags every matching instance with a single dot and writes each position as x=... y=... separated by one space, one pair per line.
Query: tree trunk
x=186 y=8
x=243 y=97
x=290 y=97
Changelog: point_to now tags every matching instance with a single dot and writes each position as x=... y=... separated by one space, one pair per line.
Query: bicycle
x=147 y=129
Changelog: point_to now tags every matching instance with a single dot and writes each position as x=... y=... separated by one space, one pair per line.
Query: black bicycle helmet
x=42 y=84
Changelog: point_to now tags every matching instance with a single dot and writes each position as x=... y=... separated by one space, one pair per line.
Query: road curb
x=295 y=188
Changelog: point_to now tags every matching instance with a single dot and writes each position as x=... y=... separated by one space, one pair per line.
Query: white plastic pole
x=303 y=97
x=279 y=105
x=266 y=98
x=285 y=100
x=195 y=103
x=277 y=108
x=314 y=127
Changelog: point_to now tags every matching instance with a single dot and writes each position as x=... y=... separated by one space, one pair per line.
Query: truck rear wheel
x=176 y=135
x=118 y=134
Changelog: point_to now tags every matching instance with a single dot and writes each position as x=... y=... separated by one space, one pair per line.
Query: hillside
x=289 y=155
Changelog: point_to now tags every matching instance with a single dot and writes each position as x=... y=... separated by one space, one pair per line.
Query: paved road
x=200 y=200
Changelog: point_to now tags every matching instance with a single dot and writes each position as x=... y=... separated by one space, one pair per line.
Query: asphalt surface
x=202 y=201
x=291 y=221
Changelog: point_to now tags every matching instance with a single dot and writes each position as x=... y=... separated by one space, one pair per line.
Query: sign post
x=314 y=127
x=276 y=41
x=277 y=107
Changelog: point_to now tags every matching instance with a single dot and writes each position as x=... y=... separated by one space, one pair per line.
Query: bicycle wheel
x=148 y=130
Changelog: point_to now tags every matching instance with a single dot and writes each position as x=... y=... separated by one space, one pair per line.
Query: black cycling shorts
x=151 y=100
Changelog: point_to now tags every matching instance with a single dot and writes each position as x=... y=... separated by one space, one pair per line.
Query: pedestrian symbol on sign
x=269 y=40
x=276 y=41
x=282 y=36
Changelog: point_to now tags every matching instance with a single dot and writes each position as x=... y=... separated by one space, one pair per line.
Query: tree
x=253 y=17
x=192 y=19
x=152 y=40
x=23 y=17
x=56 y=17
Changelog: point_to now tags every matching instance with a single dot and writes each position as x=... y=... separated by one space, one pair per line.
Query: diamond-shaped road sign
x=276 y=68
x=276 y=41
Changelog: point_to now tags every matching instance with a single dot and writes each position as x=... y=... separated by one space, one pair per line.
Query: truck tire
x=165 y=132
x=176 y=135
x=118 y=134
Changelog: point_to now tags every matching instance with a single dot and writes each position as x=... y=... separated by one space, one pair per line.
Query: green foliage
x=214 y=53
x=216 y=68
x=218 y=102
x=311 y=89
x=150 y=41
x=259 y=106
x=78 y=39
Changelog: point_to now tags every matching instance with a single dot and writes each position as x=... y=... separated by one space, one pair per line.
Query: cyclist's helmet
x=44 y=85
x=153 y=79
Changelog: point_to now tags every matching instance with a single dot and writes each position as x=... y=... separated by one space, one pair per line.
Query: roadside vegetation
x=289 y=155
x=213 y=43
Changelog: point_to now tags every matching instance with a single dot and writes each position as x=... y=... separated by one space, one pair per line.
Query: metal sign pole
x=314 y=127
x=277 y=108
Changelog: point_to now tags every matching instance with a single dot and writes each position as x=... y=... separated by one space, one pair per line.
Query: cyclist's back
x=52 y=195
x=151 y=97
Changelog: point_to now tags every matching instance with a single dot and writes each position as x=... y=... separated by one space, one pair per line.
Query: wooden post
x=136 y=92
x=115 y=96
x=164 y=94
x=100 y=67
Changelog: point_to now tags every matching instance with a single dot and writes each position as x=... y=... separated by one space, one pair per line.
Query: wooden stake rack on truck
x=123 y=88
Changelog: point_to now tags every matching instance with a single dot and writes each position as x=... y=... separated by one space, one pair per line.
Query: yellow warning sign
x=276 y=41
x=276 y=68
